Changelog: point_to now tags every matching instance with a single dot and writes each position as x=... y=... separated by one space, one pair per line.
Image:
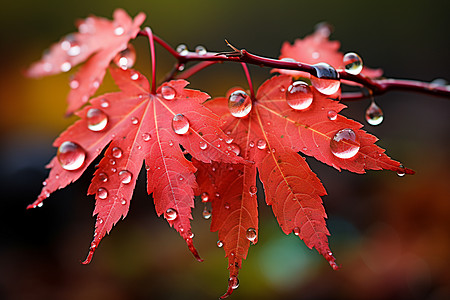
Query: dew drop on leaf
x=119 y=30
x=134 y=120
x=235 y=148
x=326 y=80
x=117 y=153
x=200 y=50
x=374 y=114
x=102 y=193
x=332 y=115
x=345 y=144
x=103 y=177
x=401 y=171
x=70 y=45
x=261 y=144
x=296 y=231
x=251 y=144
x=253 y=190
x=168 y=92
x=205 y=197
x=180 y=124
x=123 y=202
x=352 y=63
x=125 y=59
x=206 y=213
x=146 y=137
x=233 y=281
x=299 y=95
x=134 y=76
x=203 y=145
x=71 y=156
x=239 y=104
x=125 y=176
x=219 y=244
x=182 y=49
x=96 y=119
x=104 y=103
x=251 y=234
x=65 y=66
x=74 y=84
x=171 y=214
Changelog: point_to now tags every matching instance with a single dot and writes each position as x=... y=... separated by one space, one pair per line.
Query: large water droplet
x=102 y=193
x=168 y=92
x=233 y=281
x=71 y=156
x=171 y=214
x=239 y=104
x=352 y=63
x=345 y=144
x=205 y=197
x=117 y=153
x=235 y=148
x=182 y=49
x=125 y=176
x=200 y=50
x=96 y=119
x=326 y=80
x=251 y=234
x=180 y=124
x=374 y=114
x=206 y=213
x=125 y=59
x=332 y=115
x=261 y=144
x=299 y=95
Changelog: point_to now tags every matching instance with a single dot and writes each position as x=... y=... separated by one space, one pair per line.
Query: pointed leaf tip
x=194 y=251
x=233 y=283
x=90 y=254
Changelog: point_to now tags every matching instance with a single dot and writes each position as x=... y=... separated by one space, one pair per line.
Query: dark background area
x=390 y=234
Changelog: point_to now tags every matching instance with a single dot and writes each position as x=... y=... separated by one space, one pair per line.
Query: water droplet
x=190 y=234
x=125 y=59
x=345 y=144
x=134 y=76
x=205 y=197
x=206 y=213
x=352 y=63
x=117 y=153
x=200 y=50
x=125 y=176
x=40 y=204
x=134 y=120
x=74 y=84
x=100 y=221
x=123 y=202
x=253 y=190
x=332 y=115
x=239 y=104
x=182 y=49
x=288 y=59
x=181 y=67
x=233 y=281
x=119 y=30
x=102 y=193
x=171 y=214
x=251 y=234
x=146 y=137
x=251 y=144
x=219 y=244
x=401 y=171
x=180 y=124
x=203 y=145
x=326 y=80
x=71 y=156
x=374 y=114
x=261 y=144
x=226 y=205
x=104 y=103
x=168 y=92
x=296 y=231
x=235 y=148
x=103 y=177
x=96 y=119
x=65 y=66
x=71 y=46
x=299 y=95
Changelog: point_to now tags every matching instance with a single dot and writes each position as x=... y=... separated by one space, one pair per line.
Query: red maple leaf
x=316 y=48
x=271 y=135
x=139 y=126
x=98 y=41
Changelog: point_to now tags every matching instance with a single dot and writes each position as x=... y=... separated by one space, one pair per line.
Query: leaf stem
x=153 y=58
x=249 y=80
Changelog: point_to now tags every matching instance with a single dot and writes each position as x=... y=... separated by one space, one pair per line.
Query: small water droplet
x=125 y=59
x=125 y=176
x=180 y=124
x=261 y=144
x=74 y=84
x=251 y=234
x=233 y=281
x=103 y=177
x=235 y=148
x=119 y=30
x=181 y=178
x=100 y=221
x=251 y=144
x=117 y=153
x=71 y=46
x=288 y=59
x=219 y=244
x=65 y=66
x=182 y=49
x=296 y=231
x=102 y=193
x=206 y=213
x=374 y=114
x=326 y=80
x=170 y=143
x=134 y=120
x=253 y=190
x=228 y=140
x=190 y=234
x=171 y=214
x=114 y=170
x=71 y=156
x=352 y=63
x=40 y=204
x=168 y=92
x=203 y=145
x=96 y=119
x=200 y=50
x=401 y=171
x=181 y=67
x=205 y=197
x=239 y=104
x=332 y=115
x=123 y=202
x=134 y=76
x=146 y=137
x=345 y=144
x=226 y=205
x=299 y=95
x=104 y=103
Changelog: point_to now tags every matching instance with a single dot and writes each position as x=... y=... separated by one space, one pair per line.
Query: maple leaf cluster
x=213 y=149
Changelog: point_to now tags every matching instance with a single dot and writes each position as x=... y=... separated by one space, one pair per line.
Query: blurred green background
x=389 y=234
